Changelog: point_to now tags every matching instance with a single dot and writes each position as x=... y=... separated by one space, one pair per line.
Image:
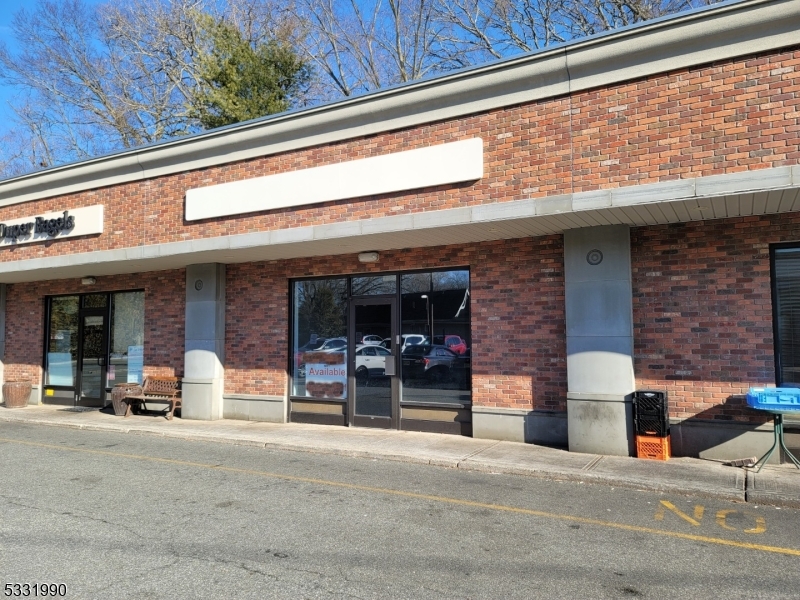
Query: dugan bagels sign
x=57 y=225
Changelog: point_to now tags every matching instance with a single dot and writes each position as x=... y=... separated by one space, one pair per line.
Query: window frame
x=397 y=295
x=46 y=329
x=776 y=335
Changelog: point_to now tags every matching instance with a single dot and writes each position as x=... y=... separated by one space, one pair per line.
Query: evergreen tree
x=241 y=80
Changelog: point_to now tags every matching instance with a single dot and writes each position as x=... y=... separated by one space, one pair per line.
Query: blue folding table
x=777 y=401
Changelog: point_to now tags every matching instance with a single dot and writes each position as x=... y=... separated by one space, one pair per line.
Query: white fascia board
x=746 y=28
x=677 y=42
x=442 y=164
x=530 y=217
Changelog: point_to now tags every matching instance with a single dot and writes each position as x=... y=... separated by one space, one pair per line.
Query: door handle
x=389 y=366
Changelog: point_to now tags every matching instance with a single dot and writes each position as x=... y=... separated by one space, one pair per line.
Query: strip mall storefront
x=565 y=227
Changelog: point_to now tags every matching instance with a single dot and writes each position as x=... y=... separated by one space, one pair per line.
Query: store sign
x=57 y=225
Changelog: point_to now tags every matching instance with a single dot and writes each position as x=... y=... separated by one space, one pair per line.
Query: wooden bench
x=157 y=389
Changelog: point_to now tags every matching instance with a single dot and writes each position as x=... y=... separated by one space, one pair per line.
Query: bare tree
x=360 y=46
x=480 y=30
x=363 y=45
x=96 y=79
x=99 y=78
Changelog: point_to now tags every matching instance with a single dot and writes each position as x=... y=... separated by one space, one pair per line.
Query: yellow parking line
x=432 y=498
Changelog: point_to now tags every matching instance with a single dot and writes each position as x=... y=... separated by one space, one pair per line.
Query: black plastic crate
x=650 y=415
x=653 y=426
x=650 y=402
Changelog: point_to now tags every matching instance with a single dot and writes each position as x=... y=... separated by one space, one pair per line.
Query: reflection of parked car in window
x=435 y=363
x=333 y=344
x=412 y=339
x=407 y=339
x=319 y=345
x=307 y=347
x=455 y=342
x=371 y=361
x=372 y=340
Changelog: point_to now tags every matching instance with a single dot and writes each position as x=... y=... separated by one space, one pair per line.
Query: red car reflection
x=454 y=343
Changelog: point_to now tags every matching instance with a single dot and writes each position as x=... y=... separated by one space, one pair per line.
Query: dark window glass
x=374 y=286
x=62 y=347
x=435 y=330
x=319 y=339
x=787 y=314
x=95 y=301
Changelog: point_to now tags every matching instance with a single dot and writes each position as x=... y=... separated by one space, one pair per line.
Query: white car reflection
x=371 y=361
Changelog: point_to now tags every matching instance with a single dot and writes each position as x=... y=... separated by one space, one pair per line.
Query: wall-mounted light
x=368 y=257
x=88 y=281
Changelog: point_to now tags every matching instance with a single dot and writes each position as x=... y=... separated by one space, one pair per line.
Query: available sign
x=326 y=374
x=68 y=223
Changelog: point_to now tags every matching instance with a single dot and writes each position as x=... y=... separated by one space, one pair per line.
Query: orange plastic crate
x=652 y=447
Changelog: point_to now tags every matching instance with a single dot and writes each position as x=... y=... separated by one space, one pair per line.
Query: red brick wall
x=518 y=331
x=721 y=118
x=164 y=306
x=702 y=312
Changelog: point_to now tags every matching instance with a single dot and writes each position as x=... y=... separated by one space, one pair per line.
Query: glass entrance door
x=373 y=364
x=92 y=357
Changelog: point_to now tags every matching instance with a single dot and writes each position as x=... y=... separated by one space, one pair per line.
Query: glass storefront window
x=374 y=286
x=319 y=346
x=95 y=301
x=62 y=347
x=90 y=322
x=126 y=351
x=435 y=337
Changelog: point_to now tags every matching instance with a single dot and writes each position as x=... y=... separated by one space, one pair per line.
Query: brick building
x=617 y=213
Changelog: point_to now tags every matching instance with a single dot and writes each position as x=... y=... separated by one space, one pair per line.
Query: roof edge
x=679 y=41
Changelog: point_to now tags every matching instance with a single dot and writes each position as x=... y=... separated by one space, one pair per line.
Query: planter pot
x=16 y=393
x=118 y=396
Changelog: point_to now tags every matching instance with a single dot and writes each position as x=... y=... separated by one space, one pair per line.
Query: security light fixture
x=88 y=281
x=368 y=257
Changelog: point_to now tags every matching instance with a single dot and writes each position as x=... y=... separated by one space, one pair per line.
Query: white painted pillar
x=599 y=315
x=204 y=358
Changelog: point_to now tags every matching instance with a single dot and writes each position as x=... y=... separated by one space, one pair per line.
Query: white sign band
x=412 y=169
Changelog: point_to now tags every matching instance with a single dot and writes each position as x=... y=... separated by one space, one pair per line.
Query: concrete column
x=599 y=315
x=204 y=359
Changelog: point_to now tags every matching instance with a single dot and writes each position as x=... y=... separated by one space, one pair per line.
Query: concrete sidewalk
x=775 y=485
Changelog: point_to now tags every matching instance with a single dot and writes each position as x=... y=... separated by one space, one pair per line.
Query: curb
x=768 y=493
x=749 y=494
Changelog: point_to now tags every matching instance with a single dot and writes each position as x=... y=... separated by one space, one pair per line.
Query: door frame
x=82 y=314
x=69 y=395
x=393 y=421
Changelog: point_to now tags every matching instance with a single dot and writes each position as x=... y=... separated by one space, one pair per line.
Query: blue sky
x=7 y=10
